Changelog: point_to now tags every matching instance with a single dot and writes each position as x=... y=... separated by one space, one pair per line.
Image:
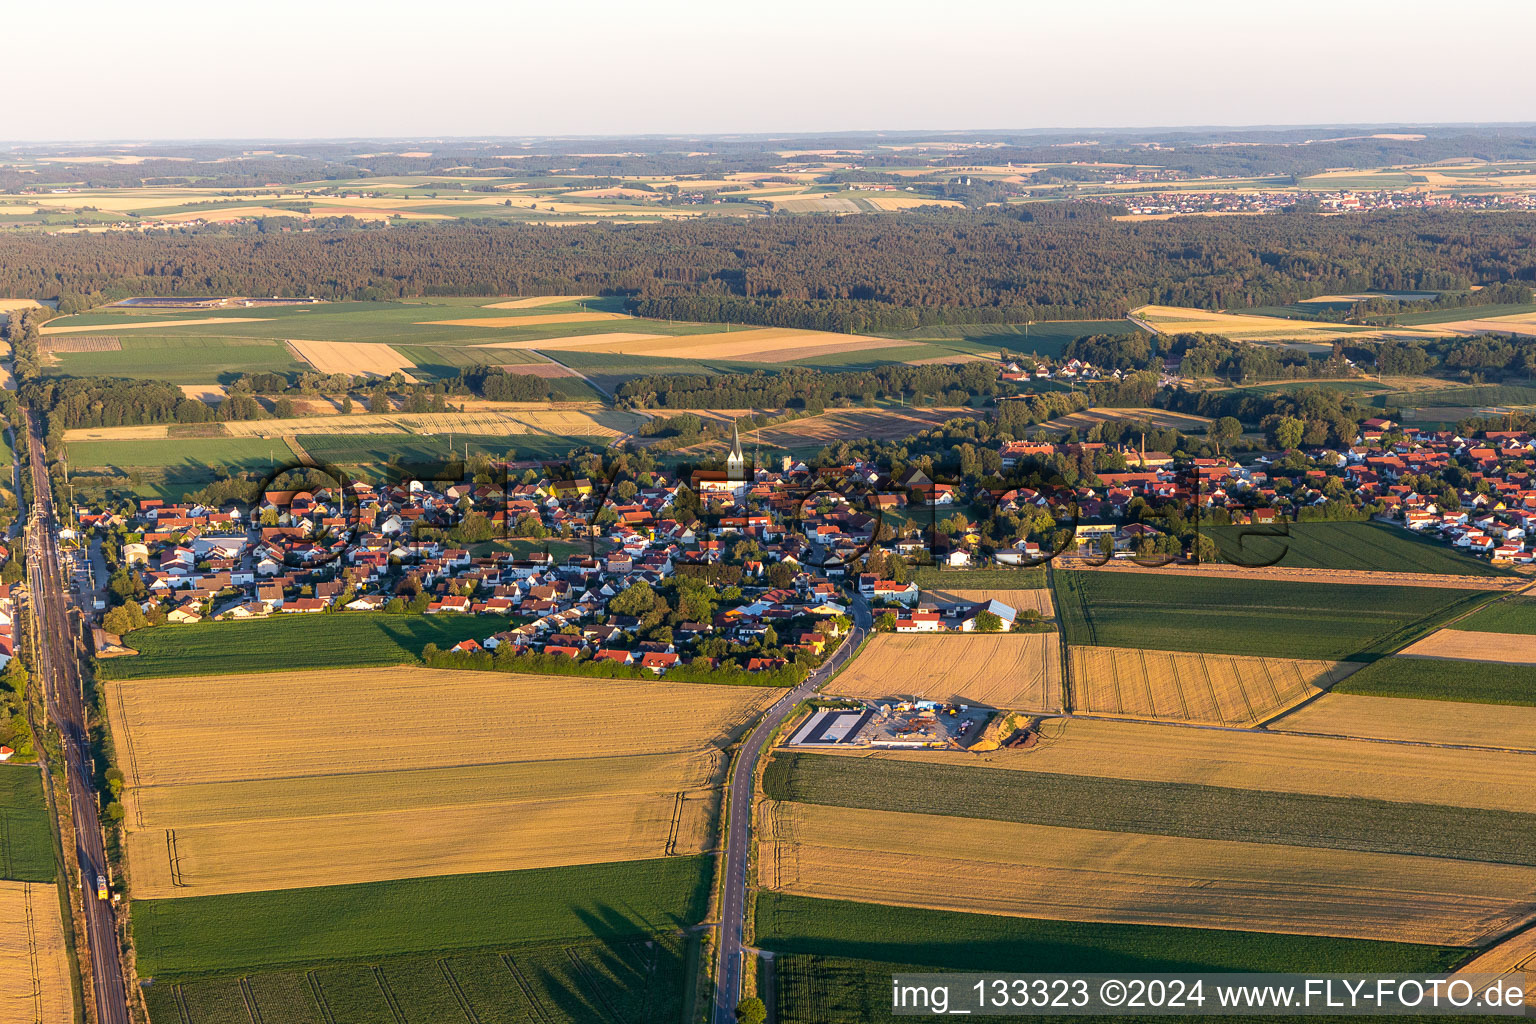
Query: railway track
x=58 y=666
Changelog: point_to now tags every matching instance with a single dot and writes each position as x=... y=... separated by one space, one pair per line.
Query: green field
x=1155 y=808
x=637 y=980
x=186 y=359
x=1359 y=546
x=382 y=449
x=1304 y=385
x=440 y=350
x=934 y=578
x=835 y=958
x=1259 y=617
x=285 y=642
x=1487 y=394
x=1048 y=338
x=609 y=370
x=402 y=323
x=1425 y=317
x=250 y=931
x=983 y=942
x=1476 y=682
x=841 y=990
x=234 y=453
x=26 y=837
x=1516 y=615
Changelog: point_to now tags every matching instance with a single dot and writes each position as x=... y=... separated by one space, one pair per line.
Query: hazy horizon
x=183 y=72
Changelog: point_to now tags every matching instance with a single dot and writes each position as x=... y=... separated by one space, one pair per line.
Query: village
x=776 y=567
x=776 y=571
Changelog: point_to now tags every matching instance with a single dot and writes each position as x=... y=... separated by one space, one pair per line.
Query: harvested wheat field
x=534 y=301
x=1515 y=955
x=1006 y=670
x=993 y=867
x=755 y=344
x=1263 y=760
x=1216 y=689
x=1252 y=327
x=356 y=357
x=1466 y=645
x=34 y=969
x=956 y=359
x=208 y=394
x=1019 y=600
x=224 y=214
x=572 y=341
x=849 y=424
x=1502 y=726
x=366 y=846
x=51 y=328
x=512 y=774
x=249 y=800
x=590 y=421
x=182 y=730
x=1519 y=323
x=536 y=320
x=1087 y=419
x=1294 y=574
x=81 y=343
x=572 y=418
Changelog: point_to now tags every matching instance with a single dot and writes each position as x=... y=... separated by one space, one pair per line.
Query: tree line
x=866 y=273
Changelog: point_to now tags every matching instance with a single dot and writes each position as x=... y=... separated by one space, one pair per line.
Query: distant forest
x=858 y=273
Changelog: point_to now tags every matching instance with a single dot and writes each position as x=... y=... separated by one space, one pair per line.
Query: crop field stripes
x=1114 y=678
x=292 y=441
x=458 y=992
x=181 y=1005
x=527 y=989
x=594 y=986
x=34 y=962
x=387 y=993
x=5 y=843
x=1146 y=682
x=249 y=998
x=173 y=856
x=677 y=821
x=124 y=738
x=1242 y=691
x=315 y=990
x=649 y=965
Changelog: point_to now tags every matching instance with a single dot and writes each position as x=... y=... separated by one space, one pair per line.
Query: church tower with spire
x=735 y=463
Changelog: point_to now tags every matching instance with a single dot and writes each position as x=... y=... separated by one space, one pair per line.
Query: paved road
x=733 y=910
x=57 y=664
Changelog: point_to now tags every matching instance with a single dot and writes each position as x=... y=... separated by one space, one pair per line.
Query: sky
x=344 y=68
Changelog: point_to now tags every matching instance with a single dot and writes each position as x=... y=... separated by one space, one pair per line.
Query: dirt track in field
x=1280 y=574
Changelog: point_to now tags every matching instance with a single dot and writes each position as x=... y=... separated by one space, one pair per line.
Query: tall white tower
x=735 y=463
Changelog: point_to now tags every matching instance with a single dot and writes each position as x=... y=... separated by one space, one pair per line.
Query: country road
x=59 y=668
x=738 y=843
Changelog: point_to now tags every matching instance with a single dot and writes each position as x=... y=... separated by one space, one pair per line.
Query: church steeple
x=735 y=463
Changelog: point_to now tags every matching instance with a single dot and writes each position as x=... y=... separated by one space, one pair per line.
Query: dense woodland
x=811 y=389
x=861 y=273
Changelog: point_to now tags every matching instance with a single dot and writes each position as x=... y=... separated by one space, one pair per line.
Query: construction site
x=899 y=725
